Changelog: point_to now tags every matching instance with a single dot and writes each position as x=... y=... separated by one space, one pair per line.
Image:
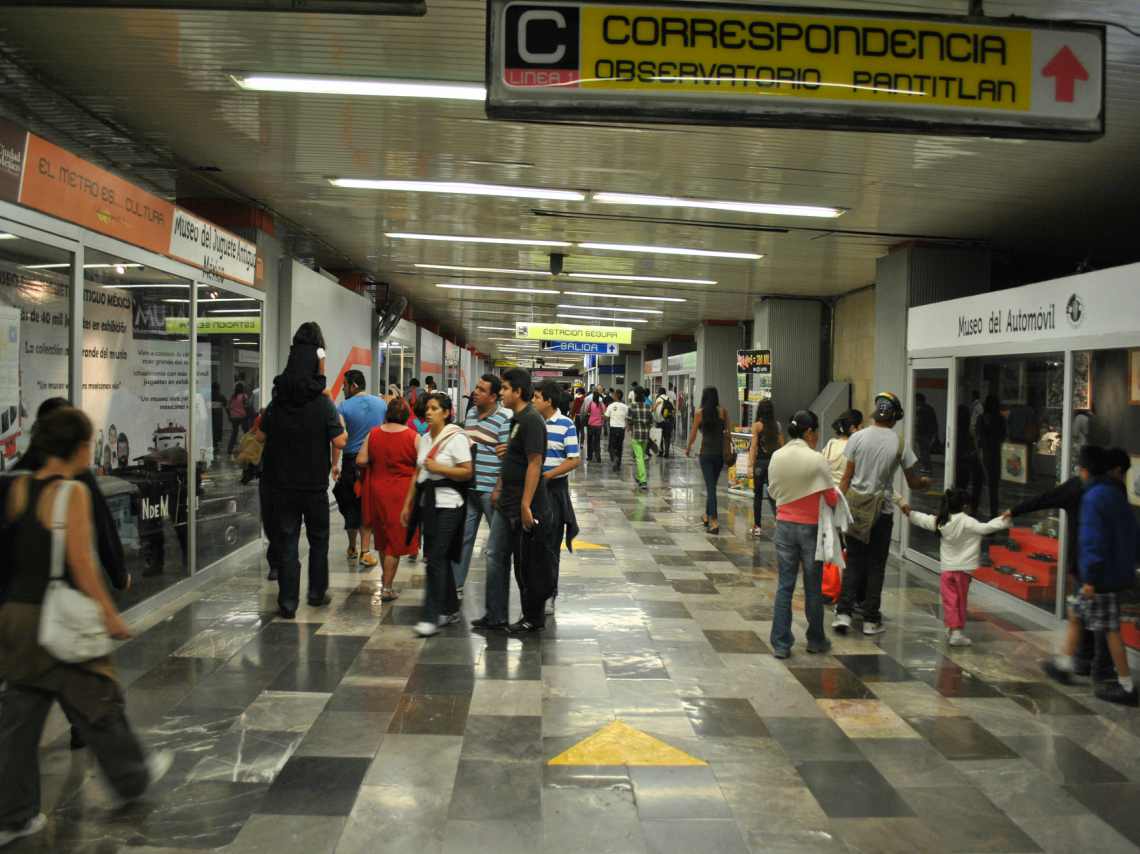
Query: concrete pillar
x=717 y=344
x=634 y=368
x=790 y=328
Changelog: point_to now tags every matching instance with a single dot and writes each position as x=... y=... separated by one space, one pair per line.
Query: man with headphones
x=873 y=455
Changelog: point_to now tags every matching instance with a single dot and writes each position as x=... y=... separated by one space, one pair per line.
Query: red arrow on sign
x=1065 y=68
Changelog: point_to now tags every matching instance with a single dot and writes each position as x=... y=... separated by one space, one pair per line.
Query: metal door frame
x=948 y=364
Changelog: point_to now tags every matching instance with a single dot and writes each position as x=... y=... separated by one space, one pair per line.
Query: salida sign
x=703 y=63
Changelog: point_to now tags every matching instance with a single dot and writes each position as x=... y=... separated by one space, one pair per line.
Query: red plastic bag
x=832 y=581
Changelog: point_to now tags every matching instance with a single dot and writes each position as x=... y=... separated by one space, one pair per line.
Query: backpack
x=667 y=410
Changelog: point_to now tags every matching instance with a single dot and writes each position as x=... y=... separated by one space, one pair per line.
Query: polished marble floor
x=342 y=732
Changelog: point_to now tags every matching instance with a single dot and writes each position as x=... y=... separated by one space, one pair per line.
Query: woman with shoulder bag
x=716 y=447
x=767 y=438
x=54 y=598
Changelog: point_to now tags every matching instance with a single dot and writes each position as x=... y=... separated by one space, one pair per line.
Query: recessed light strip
x=608 y=308
x=452 y=238
x=462 y=188
x=328 y=84
x=599 y=277
x=495 y=288
x=623 y=296
x=714 y=205
x=606 y=319
x=669 y=250
x=508 y=272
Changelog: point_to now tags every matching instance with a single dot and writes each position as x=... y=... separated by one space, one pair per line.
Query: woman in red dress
x=388 y=460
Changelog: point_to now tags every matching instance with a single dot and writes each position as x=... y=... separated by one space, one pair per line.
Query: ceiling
x=159 y=78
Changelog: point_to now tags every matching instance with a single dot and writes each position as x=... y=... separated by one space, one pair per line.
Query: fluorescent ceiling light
x=669 y=250
x=136 y=287
x=709 y=204
x=484 y=270
x=498 y=313
x=459 y=238
x=607 y=319
x=496 y=328
x=496 y=288
x=624 y=296
x=327 y=84
x=229 y=310
x=598 y=277
x=608 y=308
x=459 y=188
x=6 y=236
x=522 y=342
x=85 y=266
x=206 y=301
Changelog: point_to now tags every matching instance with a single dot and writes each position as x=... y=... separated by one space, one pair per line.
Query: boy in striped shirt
x=562 y=457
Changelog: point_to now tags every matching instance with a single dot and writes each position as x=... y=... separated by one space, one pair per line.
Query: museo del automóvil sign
x=686 y=62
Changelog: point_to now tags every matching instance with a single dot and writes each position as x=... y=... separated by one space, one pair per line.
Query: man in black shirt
x=521 y=498
x=298 y=428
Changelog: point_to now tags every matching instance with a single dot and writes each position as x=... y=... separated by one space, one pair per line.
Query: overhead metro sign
x=797 y=68
x=572 y=332
x=595 y=348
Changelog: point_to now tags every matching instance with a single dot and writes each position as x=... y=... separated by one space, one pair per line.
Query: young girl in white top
x=959 y=552
x=844 y=426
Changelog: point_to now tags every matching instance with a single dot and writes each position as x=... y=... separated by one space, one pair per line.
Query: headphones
x=888 y=407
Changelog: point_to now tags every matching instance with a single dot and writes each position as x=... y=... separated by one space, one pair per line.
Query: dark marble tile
x=571 y=651
x=1042 y=699
x=705 y=555
x=729 y=579
x=693 y=586
x=723 y=640
x=246 y=756
x=756 y=613
x=229 y=688
x=611 y=777
x=875 y=668
x=651 y=577
x=177 y=673
x=852 y=789
x=950 y=680
x=449 y=650
x=656 y=539
x=354 y=697
x=402 y=615
x=502 y=664
x=686 y=792
x=316 y=785
x=664 y=610
x=964 y=819
x=315 y=674
x=486 y=791
x=419 y=714
x=960 y=738
x=1114 y=803
x=635 y=664
x=812 y=739
x=685 y=837
x=383 y=662
x=832 y=683
x=678 y=561
x=503 y=738
x=724 y=718
x=334 y=649
x=1063 y=760
x=441 y=679
x=336 y=733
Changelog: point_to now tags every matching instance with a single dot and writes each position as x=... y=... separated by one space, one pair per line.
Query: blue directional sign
x=595 y=348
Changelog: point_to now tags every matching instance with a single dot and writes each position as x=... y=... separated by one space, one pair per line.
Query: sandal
x=705 y=520
x=369 y=559
x=715 y=530
x=351 y=553
x=388 y=594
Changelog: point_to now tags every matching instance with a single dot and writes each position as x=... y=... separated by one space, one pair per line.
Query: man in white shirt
x=616 y=414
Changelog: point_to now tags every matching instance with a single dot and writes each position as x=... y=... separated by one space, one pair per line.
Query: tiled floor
x=342 y=732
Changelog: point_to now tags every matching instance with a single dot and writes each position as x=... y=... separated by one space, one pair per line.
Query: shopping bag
x=832 y=581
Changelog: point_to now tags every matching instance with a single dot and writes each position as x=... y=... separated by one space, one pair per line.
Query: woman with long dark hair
x=595 y=419
x=767 y=438
x=712 y=423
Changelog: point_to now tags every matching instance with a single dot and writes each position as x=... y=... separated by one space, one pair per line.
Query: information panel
x=572 y=332
x=802 y=68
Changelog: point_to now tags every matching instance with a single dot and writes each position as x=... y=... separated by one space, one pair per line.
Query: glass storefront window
x=1008 y=450
x=928 y=408
x=230 y=388
x=399 y=355
x=136 y=384
x=35 y=323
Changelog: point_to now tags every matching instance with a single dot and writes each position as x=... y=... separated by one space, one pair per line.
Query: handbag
x=865 y=507
x=71 y=622
x=250 y=450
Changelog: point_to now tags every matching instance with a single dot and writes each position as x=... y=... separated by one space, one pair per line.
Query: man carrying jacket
x=1108 y=549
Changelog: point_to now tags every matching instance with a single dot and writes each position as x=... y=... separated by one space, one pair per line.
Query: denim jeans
x=290 y=507
x=795 y=547
x=866 y=569
x=441 y=524
x=497 y=598
x=710 y=468
x=478 y=506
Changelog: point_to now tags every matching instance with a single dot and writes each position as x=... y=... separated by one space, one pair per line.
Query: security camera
x=556 y=260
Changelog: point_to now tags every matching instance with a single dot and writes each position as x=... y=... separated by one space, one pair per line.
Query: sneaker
x=484 y=623
x=841 y=623
x=157 y=764
x=873 y=628
x=550 y=607
x=448 y=619
x=272 y=575
x=1056 y=673
x=756 y=532
x=1113 y=692
x=824 y=649
x=782 y=653
x=954 y=637
x=425 y=629
x=523 y=627
x=33 y=826
x=318 y=601
x=459 y=593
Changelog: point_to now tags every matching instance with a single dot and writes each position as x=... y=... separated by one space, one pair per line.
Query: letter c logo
x=557 y=18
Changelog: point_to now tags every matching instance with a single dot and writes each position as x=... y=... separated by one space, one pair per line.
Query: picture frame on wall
x=1132 y=481
x=1134 y=377
x=1011 y=387
x=1082 y=380
x=1014 y=462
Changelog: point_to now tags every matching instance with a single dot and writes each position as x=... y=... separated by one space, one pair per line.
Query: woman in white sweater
x=960 y=549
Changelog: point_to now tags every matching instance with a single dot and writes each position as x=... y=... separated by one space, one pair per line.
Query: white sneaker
x=459 y=593
x=550 y=607
x=35 y=824
x=448 y=619
x=873 y=628
x=956 y=638
x=841 y=623
x=425 y=629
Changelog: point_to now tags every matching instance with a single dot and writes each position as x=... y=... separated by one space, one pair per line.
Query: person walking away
x=562 y=457
x=32 y=678
x=711 y=422
x=578 y=413
x=237 y=407
x=413 y=394
x=665 y=415
x=967 y=453
x=217 y=415
x=640 y=422
x=488 y=425
x=767 y=438
x=1092 y=657
x=595 y=418
x=299 y=427
x=1109 y=548
x=873 y=455
x=959 y=552
x=436 y=500
x=798 y=481
x=522 y=501
x=361 y=413
x=616 y=415
x=418 y=421
x=991 y=433
x=925 y=431
x=387 y=464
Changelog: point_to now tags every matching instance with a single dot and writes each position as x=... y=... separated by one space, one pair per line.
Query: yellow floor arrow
x=618 y=743
x=582 y=545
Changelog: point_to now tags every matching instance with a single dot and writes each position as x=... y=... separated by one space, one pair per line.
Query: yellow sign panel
x=618 y=743
x=214 y=325
x=570 y=332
